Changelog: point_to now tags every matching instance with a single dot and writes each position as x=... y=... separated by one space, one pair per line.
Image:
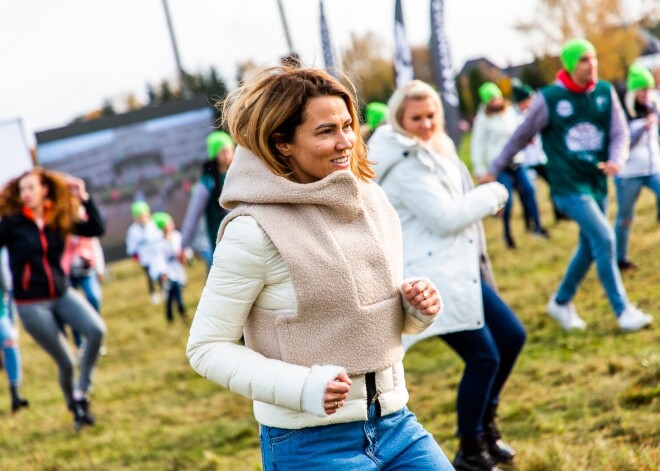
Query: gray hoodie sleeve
x=198 y=199
x=536 y=119
x=619 y=135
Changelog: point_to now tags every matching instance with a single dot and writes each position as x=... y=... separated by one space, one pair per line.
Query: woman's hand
x=336 y=393
x=77 y=187
x=423 y=296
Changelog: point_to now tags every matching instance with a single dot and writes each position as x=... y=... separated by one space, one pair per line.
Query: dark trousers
x=174 y=295
x=489 y=354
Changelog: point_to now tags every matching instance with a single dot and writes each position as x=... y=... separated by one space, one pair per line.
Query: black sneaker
x=540 y=233
x=626 y=265
x=81 y=415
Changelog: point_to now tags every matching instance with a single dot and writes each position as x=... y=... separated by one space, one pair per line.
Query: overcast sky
x=60 y=59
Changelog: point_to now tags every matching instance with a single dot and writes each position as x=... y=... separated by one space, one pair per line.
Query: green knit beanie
x=140 y=208
x=572 y=51
x=161 y=219
x=216 y=141
x=488 y=91
x=639 y=78
x=375 y=113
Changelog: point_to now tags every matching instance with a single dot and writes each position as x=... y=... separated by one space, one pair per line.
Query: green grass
x=578 y=401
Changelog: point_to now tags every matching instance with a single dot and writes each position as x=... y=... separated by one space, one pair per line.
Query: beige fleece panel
x=341 y=242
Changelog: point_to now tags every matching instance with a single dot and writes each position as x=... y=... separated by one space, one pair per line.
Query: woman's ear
x=283 y=147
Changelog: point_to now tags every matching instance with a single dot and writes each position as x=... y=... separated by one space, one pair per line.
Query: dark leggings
x=489 y=354
x=41 y=319
x=174 y=296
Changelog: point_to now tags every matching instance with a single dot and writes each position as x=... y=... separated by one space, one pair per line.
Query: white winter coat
x=439 y=218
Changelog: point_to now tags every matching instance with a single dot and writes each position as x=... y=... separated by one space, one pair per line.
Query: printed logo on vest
x=602 y=103
x=584 y=137
x=564 y=108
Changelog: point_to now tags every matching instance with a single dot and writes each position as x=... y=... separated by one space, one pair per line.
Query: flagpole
x=285 y=25
x=177 y=58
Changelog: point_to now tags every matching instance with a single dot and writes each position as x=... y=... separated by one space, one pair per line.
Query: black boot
x=81 y=415
x=17 y=401
x=499 y=450
x=473 y=456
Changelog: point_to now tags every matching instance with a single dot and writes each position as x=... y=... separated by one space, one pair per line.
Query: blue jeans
x=627 y=192
x=395 y=441
x=597 y=243
x=519 y=180
x=489 y=354
x=12 y=355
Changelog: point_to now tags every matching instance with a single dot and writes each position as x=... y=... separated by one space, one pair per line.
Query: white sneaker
x=632 y=319
x=565 y=315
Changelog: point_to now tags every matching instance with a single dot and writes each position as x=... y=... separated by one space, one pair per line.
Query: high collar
x=48 y=206
x=566 y=80
x=250 y=181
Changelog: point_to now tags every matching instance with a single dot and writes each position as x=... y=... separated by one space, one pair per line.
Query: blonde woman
x=309 y=268
x=440 y=213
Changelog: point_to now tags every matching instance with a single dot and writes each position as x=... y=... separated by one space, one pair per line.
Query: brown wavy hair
x=268 y=109
x=63 y=206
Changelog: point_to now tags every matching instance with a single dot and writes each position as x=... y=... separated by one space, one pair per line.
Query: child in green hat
x=140 y=237
x=643 y=166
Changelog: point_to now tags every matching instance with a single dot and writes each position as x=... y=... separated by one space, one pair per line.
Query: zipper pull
x=376 y=396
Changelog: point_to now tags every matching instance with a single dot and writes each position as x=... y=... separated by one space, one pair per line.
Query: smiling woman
x=308 y=268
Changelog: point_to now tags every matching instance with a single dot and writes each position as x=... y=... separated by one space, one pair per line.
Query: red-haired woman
x=39 y=209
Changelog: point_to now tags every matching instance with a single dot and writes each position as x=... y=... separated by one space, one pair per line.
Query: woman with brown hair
x=39 y=209
x=309 y=268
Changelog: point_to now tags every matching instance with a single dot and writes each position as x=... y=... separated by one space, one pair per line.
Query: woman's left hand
x=423 y=296
x=77 y=187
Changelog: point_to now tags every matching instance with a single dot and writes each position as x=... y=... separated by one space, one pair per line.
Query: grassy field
x=579 y=401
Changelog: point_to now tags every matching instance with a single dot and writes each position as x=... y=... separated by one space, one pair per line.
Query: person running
x=39 y=209
x=586 y=139
x=494 y=124
x=440 y=213
x=643 y=166
x=205 y=194
x=9 y=337
x=309 y=266
x=140 y=237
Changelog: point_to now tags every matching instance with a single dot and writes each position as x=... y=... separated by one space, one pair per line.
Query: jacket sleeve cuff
x=313 y=393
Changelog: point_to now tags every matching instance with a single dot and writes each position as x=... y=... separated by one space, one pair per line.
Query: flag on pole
x=403 y=66
x=328 y=56
x=441 y=59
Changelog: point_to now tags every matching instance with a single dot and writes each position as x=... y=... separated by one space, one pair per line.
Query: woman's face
x=642 y=96
x=323 y=143
x=420 y=118
x=31 y=191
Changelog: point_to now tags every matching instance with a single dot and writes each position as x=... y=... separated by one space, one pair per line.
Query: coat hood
x=249 y=181
x=389 y=148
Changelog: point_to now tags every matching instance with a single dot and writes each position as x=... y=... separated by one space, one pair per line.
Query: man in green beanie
x=206 y=193
x=585 y=138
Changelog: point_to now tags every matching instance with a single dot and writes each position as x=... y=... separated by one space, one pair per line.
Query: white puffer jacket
x=249 y=276
x=285 y=395
x=441 y=237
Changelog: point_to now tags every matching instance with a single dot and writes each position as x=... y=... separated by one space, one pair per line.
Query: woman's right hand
x=336 y=393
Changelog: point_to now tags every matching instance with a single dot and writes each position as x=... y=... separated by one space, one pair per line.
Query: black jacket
x=34 y=254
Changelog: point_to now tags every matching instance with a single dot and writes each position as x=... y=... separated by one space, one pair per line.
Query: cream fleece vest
x=341 y=242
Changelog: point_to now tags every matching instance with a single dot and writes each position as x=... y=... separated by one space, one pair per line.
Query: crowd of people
x=332 y=248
